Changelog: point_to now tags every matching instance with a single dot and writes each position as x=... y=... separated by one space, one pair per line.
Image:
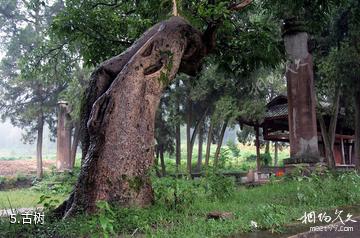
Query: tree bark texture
x=39 y=143
x=118 y=116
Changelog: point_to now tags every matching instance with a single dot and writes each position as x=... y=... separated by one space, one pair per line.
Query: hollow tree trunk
x=39 y=143
x=208 y=144
x=217 y=152
x=118 y=116
x=177 y=131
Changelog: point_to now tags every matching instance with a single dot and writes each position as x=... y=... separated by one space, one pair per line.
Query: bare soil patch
x=26 y=167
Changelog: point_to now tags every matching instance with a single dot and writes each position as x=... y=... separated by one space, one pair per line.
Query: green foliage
x=48 y=202
x=233 y=148
x=266 y=159
x=219 y=187
x=104 y=218
x=175 y=194
x=55 y=183
x=270 y=206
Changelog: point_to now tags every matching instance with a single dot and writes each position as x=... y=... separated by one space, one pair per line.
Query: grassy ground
x=243 y=161
x=23 y=198
x=181 y=208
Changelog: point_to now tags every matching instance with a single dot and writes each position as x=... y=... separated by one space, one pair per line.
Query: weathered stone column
x=63 y=161
x=301 y=98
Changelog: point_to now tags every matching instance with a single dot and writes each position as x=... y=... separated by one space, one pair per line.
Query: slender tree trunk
x=357 y=130
x=257 y=144
x=328 y=134
x=75 y=143
x=188 y=136
x=327 y=143
x=217 y=152
x=39 y=143
x=276 y=154
x=200 y=147
x=208 y=144
x=267 y=147
x=177 y=131
x=156 y=162
x=162 y=161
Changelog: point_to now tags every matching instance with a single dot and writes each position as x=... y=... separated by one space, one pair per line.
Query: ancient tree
x=118 y=113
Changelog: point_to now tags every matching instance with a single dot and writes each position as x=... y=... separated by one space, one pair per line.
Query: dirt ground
x=28 y=166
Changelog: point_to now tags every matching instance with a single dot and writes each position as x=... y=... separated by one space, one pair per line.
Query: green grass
x=271 y=206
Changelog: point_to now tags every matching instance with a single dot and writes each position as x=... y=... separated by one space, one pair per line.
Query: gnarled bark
x=119 y=112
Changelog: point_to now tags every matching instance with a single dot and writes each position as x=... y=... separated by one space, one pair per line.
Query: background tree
x=30 y=84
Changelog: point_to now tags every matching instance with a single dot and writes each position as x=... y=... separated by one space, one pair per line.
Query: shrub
x=233 y=148
x=174 y=193
x=219 y=187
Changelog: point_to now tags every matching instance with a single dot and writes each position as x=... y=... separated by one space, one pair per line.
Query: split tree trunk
x=39 y=143
x=118 y=116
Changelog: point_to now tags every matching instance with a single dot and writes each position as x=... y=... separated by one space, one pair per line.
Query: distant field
x=22 y=166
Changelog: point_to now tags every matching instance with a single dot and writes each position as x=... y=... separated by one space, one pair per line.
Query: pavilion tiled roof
x=277 y=111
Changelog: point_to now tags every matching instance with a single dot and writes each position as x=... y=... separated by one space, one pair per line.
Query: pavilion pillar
x=301 y=98
x=63 y=155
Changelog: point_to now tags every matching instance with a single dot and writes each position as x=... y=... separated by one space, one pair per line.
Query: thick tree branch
x=240 y=6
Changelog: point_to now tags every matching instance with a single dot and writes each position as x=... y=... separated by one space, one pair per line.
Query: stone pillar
x=301 y=99
x=63 y=155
